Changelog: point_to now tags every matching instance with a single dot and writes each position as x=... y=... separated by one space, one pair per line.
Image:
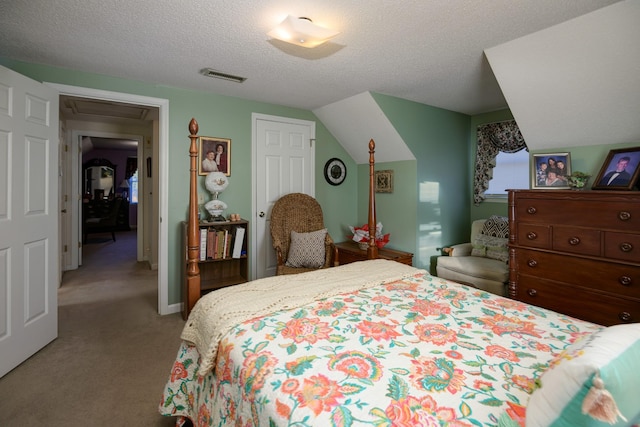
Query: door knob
x=261 y=214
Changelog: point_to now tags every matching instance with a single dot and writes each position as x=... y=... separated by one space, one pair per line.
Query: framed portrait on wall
x=214 y=154
x=550 y=170
x=620 y=170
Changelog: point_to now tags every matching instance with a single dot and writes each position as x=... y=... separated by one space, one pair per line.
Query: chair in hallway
x=105 y=224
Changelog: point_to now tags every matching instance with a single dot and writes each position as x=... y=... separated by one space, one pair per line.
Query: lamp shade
x=216 y=182
x=301 y=32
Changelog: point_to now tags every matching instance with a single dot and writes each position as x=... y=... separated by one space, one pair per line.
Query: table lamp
x=216 y=182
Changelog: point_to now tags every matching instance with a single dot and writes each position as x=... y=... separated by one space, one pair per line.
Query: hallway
x=113 y=353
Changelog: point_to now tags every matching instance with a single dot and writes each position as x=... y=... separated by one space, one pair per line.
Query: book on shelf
x=227 y=244
x=219 y=244
x=210 y=236
x=238 y=241
x=203 y=244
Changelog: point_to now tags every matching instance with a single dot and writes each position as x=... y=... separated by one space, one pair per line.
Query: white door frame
x=163 y=176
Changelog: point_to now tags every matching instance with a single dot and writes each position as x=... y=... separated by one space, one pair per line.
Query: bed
x=379 y=343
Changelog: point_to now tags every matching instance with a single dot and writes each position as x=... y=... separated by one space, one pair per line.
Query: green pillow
x=490 y=247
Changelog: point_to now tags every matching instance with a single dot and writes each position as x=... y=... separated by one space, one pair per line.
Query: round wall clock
x=335 y=171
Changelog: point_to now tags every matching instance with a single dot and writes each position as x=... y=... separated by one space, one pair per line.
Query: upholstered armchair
x=481 y=262
x=299 y=236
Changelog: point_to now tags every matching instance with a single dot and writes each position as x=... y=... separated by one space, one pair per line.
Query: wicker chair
x=303 y=214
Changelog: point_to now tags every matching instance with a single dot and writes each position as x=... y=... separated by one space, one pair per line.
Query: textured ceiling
x=425 y=51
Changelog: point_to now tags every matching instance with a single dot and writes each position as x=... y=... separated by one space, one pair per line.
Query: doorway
x=158 y=207
x=110 y=201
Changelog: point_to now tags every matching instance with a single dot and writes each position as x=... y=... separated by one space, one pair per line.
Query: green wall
x=224 y=117
x=397 y=211
x=431 y=205
x=437 y=182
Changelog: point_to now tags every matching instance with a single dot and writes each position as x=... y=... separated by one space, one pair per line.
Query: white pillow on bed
x=307 y=249
x=612 y=356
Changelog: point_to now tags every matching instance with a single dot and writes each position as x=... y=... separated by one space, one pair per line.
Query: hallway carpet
x=113 y=353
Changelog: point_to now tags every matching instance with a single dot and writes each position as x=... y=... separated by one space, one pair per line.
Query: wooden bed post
x=192 y=287
x=372 y=249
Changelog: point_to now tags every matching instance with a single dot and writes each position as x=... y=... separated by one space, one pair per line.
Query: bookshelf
x=220 y=264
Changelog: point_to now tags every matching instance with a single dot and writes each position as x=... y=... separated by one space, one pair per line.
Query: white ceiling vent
x=209 y=72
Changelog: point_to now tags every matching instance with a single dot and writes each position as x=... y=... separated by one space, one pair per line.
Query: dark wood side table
x=349 y=252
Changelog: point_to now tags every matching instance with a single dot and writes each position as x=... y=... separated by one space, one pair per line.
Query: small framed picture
x=550 y=170
x=620 y=171
x=384 y=181
x=214 y=154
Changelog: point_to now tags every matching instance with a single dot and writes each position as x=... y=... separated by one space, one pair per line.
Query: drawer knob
x=531 y=210
x=532 y=263
x=625 y=316
x=532 y=235
x=624 y=215
x=574 y=241
x=626 y=247
x=625 y=280
x=532 y=292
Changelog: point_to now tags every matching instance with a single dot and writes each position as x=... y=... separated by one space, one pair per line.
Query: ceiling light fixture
x=302 y=32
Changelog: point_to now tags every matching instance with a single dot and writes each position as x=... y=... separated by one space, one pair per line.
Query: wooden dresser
x=576 y=252
x=349 y=252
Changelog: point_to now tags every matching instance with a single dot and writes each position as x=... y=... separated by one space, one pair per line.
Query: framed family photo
x=214 y=154
x=620 y=170
x=550 y=170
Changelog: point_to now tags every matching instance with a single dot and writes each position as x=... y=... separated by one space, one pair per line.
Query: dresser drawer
x=582 y=241
x=620 y=279
x=597 y=213
x=622 y=246
x=593 y=307
x=533 y=235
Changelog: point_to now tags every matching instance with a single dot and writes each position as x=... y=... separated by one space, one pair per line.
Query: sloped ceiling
x=576 y=83
x=356 y=120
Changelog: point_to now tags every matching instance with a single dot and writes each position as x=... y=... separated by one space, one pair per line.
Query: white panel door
x=29 y=261
x=284 y=164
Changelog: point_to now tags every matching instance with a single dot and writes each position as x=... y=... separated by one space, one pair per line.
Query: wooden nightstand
x=349 y=252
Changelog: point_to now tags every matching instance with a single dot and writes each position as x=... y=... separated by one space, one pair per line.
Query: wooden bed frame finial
x=372 y=249
x=192 y=289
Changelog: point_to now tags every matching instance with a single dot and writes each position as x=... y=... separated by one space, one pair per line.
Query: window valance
x=492 y=139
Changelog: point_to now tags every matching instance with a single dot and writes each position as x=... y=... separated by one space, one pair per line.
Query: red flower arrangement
x=361 y=235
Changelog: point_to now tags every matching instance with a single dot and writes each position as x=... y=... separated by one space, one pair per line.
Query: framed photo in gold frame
x=214 y=154
x=550 y=170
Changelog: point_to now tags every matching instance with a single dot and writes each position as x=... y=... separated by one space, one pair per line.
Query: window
x=511 y=171
x=133 y=188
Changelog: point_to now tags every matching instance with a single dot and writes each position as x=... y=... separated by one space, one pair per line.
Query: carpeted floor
x=113 y=353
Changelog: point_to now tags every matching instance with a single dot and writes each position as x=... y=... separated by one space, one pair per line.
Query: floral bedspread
x=421 y=351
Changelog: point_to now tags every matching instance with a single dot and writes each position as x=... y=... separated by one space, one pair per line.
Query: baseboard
x=174 y=308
